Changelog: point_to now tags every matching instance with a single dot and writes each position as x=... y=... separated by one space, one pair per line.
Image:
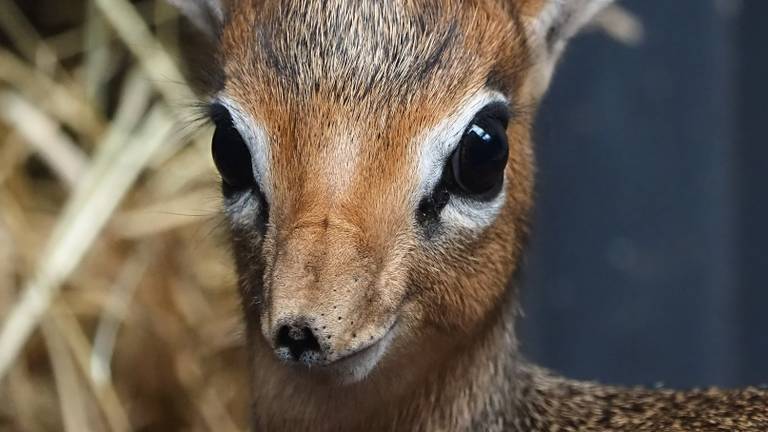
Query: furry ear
x=206 y=15
x=200 y=31
x=549 y=25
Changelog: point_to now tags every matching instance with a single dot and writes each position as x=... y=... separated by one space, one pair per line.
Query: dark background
x=649 y=243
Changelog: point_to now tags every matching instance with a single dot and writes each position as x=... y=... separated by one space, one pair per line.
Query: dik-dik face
x=376 y=166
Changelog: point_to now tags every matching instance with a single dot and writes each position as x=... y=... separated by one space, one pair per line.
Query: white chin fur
x=358 y=366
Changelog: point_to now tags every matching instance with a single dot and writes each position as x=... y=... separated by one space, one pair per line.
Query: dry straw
x=109 y=320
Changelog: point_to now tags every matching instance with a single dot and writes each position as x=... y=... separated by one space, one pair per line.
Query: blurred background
x=648 y=260
x=116 y=291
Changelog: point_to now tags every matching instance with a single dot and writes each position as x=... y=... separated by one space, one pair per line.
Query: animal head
x=376 y=166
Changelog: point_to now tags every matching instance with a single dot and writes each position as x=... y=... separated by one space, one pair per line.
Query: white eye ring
x=256 y=139
x=435 y=146
x=438 y=142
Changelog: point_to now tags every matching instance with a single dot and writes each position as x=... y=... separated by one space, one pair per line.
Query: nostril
x=298 y=340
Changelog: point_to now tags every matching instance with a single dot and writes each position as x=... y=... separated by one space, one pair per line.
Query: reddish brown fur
x=324 y=238
x=344 y=89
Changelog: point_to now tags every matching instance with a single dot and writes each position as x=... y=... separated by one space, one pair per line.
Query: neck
x=455 y=388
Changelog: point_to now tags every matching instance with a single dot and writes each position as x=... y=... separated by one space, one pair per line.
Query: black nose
x=300 y=341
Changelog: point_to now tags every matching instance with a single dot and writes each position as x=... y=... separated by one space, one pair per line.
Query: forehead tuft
x=353 y=50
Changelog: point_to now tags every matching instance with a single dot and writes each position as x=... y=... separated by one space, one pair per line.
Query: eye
x=230 y=153
x=478 y=162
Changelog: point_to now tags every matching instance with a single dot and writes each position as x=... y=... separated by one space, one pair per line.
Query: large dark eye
x=230 y=153
x=479 y=160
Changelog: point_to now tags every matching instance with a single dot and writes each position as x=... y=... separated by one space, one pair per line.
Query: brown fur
x=343 y=88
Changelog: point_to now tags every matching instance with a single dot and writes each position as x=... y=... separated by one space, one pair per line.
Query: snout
x=311 y=341
x=331 y=297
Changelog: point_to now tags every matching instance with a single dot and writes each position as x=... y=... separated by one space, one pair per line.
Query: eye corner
x=218 y=113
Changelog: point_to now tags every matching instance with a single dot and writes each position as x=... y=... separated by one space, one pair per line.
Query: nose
x=296 y=341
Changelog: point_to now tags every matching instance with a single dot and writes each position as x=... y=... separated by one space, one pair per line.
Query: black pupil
x=230 y=153
x=479 y=161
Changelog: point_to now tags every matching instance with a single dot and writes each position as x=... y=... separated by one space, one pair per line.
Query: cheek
x=251 y=268
x=520 y=169
x=460 y=280
x=252 y=245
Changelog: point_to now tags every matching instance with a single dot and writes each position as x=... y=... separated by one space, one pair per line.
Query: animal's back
x=570 y=406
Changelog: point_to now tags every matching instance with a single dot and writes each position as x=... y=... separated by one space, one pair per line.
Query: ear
x=200 y=31
x=550 y=24
x=206 y=15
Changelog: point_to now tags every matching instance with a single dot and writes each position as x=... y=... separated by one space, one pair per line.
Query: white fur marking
x=242 y=209
x=257 y=140
x=359 y=365
x=436 y=146
x=472 y=214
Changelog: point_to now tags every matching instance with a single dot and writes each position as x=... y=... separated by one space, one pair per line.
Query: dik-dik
x=377 y=176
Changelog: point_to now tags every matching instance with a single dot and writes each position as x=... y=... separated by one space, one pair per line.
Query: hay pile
x=118 y=308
